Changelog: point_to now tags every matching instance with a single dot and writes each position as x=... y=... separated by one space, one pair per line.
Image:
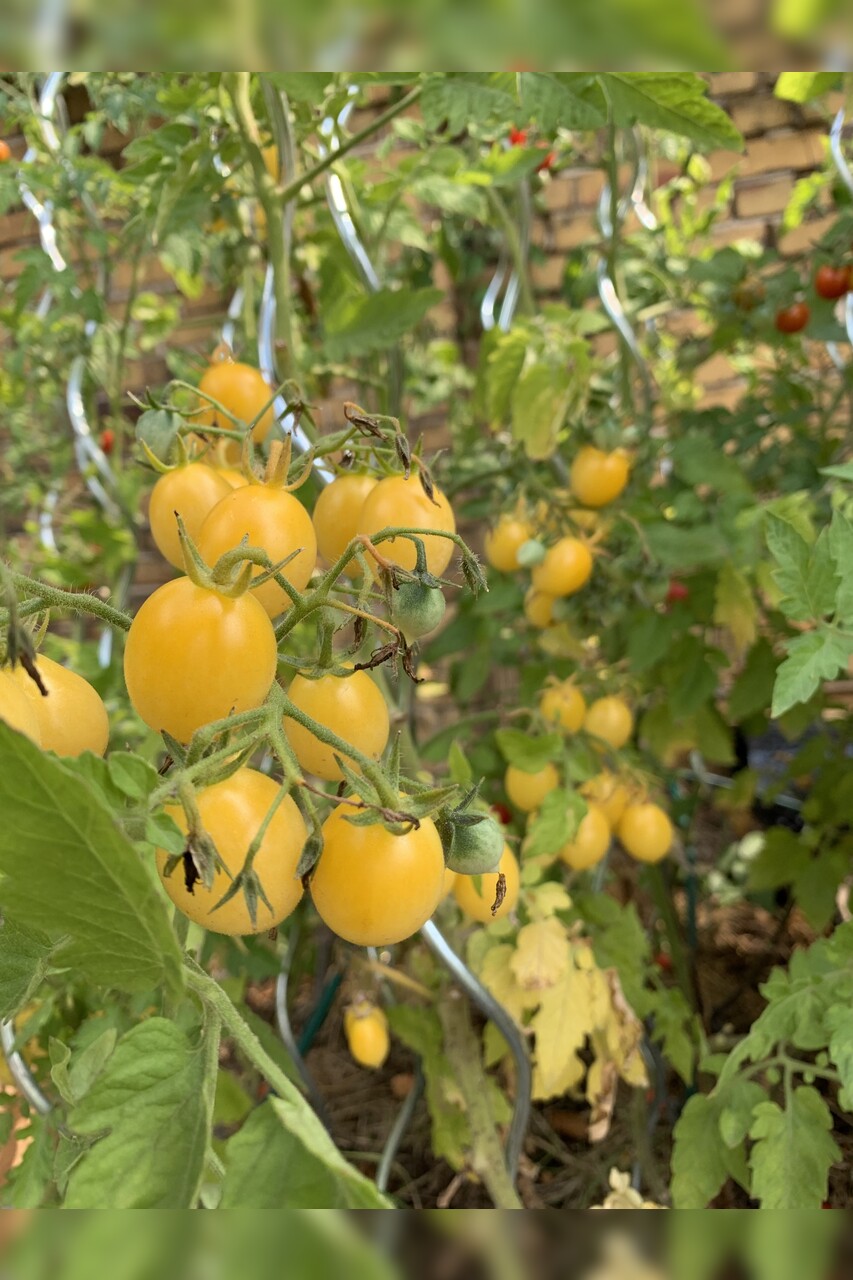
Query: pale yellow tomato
x=527 y=790
x=590 y=842
x=563 y=704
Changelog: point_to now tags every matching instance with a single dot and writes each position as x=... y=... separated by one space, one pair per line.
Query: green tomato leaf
x=24 y=963
x=841 y=548
x=528 y=753
x=146 y=1115
x=672 y=100
x=818 y=655
x=363 y=325
x=460 y=99
x=804 y=574
x=540 y=401
x=133 y=776
x=554 y=101
x=71 y=873
x=699 y=1165
x=792 y=1151
x=803 y=86
x=555 y=823
x=267 y=1167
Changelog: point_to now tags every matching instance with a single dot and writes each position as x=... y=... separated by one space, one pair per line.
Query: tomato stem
x=75 y=601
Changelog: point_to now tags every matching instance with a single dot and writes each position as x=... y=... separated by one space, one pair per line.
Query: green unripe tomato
x=475 y=850
x=417 y=609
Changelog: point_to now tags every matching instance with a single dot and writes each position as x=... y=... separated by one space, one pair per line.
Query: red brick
x=724 y=83
x=767 y=197
x=804 y=236
x=548 y=275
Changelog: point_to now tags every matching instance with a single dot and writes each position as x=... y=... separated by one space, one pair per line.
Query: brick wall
x=784 y=142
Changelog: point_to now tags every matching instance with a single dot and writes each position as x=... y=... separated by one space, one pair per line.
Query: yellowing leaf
x=542 y=954
x=623 y=1035
x=546 y=900
x=497 y=974
x=561 y=1024
x=735 y=607
x=545 y=1087
x=602 y=1081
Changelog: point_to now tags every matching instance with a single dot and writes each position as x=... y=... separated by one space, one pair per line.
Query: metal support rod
x=496 y=1013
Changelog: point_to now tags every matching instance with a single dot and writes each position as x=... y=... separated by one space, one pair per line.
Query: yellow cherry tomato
x=374 y=888
x=366 y=1030
x=336 y=516
x=504 y=542
x=609 y=719
x=351 y=706
x=646 y=832
x=244 y=392
x=396 y=501
x=527 y=790
x=539 y=608
x=191 y=491
x=449 y=881
x=566 y=568
x=72 y=718
x=476 y=894
x=591 y=840
x=597 y=478
x=232 y=813
x=193 y=656
x=273 y=520
x=16 y=709
x=232 y=477
x=609 y=793
x=563 y=704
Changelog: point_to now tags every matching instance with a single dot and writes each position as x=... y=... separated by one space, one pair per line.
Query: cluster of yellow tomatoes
x=596 y=479
x=614 y=805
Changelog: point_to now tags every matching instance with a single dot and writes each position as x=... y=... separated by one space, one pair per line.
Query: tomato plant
x=282 y=770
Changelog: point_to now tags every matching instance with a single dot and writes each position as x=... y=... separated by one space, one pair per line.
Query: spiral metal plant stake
x=633 y=198
x=430 y=932
x=836 y=150
x=336 y=198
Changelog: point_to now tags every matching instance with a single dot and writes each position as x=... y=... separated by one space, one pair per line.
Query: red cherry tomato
x=502 y=813
x=546 y=164
x=517 y=137
x=832 y=282
x=676 y=591
x=793 y=318
x=5 y=152
x=107 y=440
x=664 y=961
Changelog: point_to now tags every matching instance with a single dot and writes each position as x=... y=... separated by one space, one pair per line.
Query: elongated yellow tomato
x=566 y=568
x=232 y=813
x=609 y=793
x=609 y=719
x=244 y=392
x=527 y=790
x=193 y=656
x=504 y=542
x=273 y=520
x=16 y=710
x=591 y=840
x=366 y=1030
x=351 y=706
x=336 y=516
x=398 y=502
x=563 y=704
x=476 y=894
x=72 y=718
x=646 y=832
x=539 y=608
x=191 y=491
x=597 y=478
x=373 y=888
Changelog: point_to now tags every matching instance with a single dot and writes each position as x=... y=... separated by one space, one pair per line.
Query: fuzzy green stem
x=79 y=602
